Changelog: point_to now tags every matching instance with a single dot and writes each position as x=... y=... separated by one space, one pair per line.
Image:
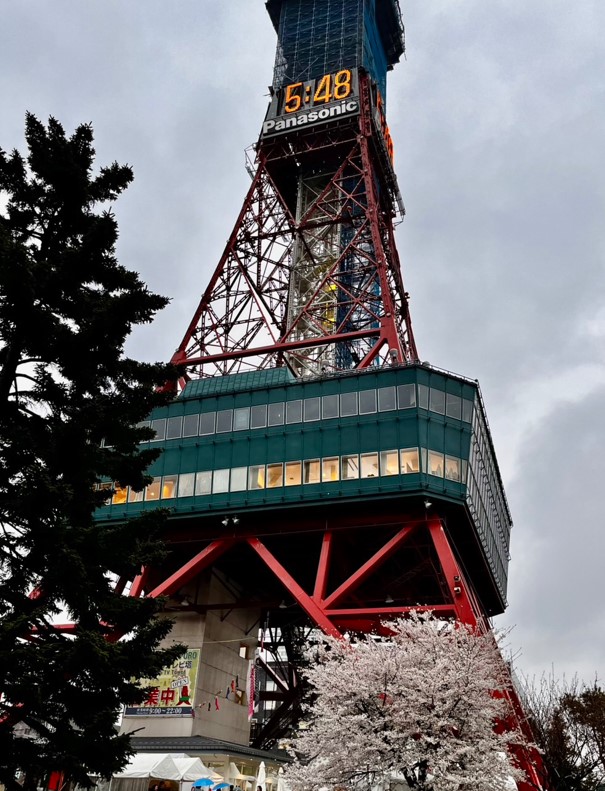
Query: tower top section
x=317 y=37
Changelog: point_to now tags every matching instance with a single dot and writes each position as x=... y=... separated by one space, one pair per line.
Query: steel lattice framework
x=310 y=277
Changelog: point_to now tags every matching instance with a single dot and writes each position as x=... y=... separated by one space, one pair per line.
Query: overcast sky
x=498 y=119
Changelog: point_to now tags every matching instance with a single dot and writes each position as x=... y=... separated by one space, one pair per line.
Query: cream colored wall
x=219 y=634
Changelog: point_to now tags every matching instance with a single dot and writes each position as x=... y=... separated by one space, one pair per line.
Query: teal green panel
x=205 y=459
x=276 y=447
x=367 y=437
x=171 y=458
x=455 y=443
x=331 y=441
x=436 y=431
x=189 y=458
x=312 y=445
x=349 y=438
x=293 y=447
x=258 y=449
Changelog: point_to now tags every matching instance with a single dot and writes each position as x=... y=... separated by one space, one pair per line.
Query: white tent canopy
x=164 y=766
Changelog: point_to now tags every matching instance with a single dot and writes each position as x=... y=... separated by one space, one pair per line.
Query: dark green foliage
x=66 y=309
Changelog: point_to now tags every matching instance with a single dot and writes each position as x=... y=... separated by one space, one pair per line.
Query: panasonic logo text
x=276 y=126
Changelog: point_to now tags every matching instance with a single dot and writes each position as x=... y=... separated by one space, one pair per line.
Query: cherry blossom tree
x=418 y=707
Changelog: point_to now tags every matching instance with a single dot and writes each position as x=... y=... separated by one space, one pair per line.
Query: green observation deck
x=266 y=442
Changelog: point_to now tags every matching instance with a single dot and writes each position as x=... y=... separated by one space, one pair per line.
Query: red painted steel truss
x=310 y=276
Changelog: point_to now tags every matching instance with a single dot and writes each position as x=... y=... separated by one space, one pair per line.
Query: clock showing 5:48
x=325 y=89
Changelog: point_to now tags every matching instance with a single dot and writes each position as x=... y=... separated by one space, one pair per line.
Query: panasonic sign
x=284 y=123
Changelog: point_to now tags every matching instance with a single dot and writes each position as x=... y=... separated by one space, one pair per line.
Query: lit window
x=330 y=469
x=174 y=427
x=312 y=406
x=293 y=411
x=275 y=475
x=369 y=465
x=348 y=404
x=367 y=402
x=453 y=406
x=186 y=484
x=224 y=421
x=311 y=471
x=293 y=473
x=220 y=481
x=239 y=479
x=437 y=401
x=350 y=467
x=436 y=463
x=329 y=406
x=452 y=468
x=190 y=424
x=203 y=482
x=152 y=492
x=258 y=416
x=423 y=397
x=387 y=400
x=406 y=396
x=241 y=419
x=409 y=461
x=389 y=462
x=169 y=483
x=159 y=426
x=135 y=497
x=256 y=477
x=207 y=421
x=120 y=495
x=276 y=414
x=423 y=459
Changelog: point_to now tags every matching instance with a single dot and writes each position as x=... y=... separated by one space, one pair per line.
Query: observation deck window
x=453 y=406
x=387 y=399
x=190 y=425
x=312 y=409
x=294 y=411
x=203 y=482
x=152 y=492
x=136 y=497
x=436 y=464
x=330 y=469
x=120 y=495
x=369 y=465
x=423 y=397
x=275 y=475
x=224 y=421
x=452 y=468
x=350 y=467
x=367 y=402
x=159 y=426
x=186 y=484
x=174 y=427
x=276 y=413
x=169 y=484
x=241 y=419
x=220 y=481
x=239 y=479
x=258 y=416
x=207 y=422
x=406 y=396
x=409 y=461
x=437 y=401
x=311 y=471
x=256 y=477
x=329 y=406
x=348 y=404
x=293 y=473
x=389 y=462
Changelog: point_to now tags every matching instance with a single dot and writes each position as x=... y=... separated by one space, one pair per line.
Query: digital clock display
x=313 y=102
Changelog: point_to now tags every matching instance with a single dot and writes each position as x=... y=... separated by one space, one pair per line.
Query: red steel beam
x=453 y=577
x=313 y=610
x=323 y=567
x=368 y=567
x=188 y=571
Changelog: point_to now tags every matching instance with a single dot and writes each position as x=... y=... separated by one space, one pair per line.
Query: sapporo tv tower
x=318 y=473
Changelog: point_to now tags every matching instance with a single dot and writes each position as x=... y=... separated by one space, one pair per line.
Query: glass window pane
x=348 y=404
x=220 y=481
x=275 y=475
x=311 y=471
x=312 y=406
x=144 y=424
x=203 y=482
x=389 y=462
x=174 y=427
x=406 y=396
x=367 y=402
x=241 y=419
x=256 y=477
x=169 y=483
x=386 y=399
x=329 y=406
x=463 y=471
x=369 y=465
x=293 y=473
x=120 y=495
x=258 y=416
x=423 y=397
x=186 y=484
x=330 y=469
x=190 y=424
x=409 y=461
x=276 y=414
x=207 y=422
x=452 y=468
x=467 y=410
x=293 y=411
x=350 y=467
x=423 y=459
x=453 y=406
x=159 y=426
x=239 y=479
x=437 y=401
x=135 y=497
x=152 y=492
x=224 y=421
x=435 y=463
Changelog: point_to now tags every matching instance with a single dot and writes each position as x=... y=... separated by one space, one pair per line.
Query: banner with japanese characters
x=171 y=694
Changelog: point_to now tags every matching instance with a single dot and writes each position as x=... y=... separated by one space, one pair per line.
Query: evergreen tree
x=70 y=400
